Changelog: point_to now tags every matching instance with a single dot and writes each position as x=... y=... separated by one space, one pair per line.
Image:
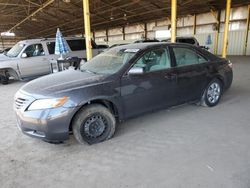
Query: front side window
x=185 y=56
x=154 y=60
x=34 y=50
x=109 y=62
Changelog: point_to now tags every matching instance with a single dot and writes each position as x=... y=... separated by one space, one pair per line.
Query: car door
x=151 y=90
x=33 y=61
x=191 y=73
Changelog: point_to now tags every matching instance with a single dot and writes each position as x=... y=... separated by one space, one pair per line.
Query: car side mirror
x=24 y=55
x=136 y=71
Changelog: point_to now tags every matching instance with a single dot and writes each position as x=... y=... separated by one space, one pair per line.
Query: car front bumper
x=51 y=125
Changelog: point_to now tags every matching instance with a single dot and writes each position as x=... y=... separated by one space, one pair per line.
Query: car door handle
x=171 y=76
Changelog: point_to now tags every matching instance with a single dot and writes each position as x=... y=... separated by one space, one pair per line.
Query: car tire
x=4 y=80
x=93 y=124
x=212 y=93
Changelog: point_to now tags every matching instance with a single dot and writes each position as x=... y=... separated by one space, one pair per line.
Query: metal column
x=173 y=20
x=217 y=32
x=86 y=14
x=225 y=39
x=194 y=25
x=247 y=31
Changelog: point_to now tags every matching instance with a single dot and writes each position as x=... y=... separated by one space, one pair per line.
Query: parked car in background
x=121 y=83
x=146 y=40
x=187 y=40
x=104 y=46
x=115 y=45
x=4 y=50
x=31 y=58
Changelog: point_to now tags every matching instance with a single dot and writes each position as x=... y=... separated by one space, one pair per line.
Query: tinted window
x=154 y=60
x=77 y=45
x=34 y=50
x=51 y=47
x=185 y=56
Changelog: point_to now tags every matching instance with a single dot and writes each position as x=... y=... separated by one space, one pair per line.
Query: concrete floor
x=188 y=146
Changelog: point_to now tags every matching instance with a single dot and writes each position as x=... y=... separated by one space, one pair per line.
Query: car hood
x=59 y=83
x=4 y=57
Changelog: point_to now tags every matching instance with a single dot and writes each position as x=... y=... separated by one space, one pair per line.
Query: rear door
x=191 y=72
x=151 y=90
x=35 y=63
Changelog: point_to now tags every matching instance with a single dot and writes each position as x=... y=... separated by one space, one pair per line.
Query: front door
x=33 y=61
x=151 y=90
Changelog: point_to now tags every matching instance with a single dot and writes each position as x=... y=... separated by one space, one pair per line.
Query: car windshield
x=15 y=50
x=109 y=62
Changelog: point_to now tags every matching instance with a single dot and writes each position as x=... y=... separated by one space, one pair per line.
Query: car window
x=185 y=56
x=51 y=47
x=34 y=50
x=77 y=45
x=154 y=60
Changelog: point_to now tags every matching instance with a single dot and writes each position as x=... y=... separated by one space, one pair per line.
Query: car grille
x=20 y=102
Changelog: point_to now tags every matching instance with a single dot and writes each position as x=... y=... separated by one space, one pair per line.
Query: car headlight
x=47 y=103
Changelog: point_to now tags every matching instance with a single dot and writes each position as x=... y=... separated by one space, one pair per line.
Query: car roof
x=143 y=46
x=32 y=41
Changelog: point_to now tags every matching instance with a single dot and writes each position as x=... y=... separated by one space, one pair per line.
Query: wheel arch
x=10 y=72
x=105 y=102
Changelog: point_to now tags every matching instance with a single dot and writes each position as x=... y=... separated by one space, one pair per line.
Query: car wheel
x=212 y=94
x=4 y=80
x=93 y=124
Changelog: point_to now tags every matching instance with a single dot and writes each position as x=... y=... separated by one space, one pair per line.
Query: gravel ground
x=187 y=146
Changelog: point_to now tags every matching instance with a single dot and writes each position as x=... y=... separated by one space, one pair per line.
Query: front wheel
x=4 y=79
x=212 y=94
x=93 y=124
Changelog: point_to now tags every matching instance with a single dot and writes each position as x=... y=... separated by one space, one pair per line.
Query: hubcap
x=95 y=126
x=213 y=93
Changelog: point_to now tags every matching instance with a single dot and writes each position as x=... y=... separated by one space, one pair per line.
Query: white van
x=31 y=58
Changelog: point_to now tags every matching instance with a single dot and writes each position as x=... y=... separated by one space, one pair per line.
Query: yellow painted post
x=247 y=30
x=86 y=15
x=173 y=20
x=194 y=25
x=225 y=39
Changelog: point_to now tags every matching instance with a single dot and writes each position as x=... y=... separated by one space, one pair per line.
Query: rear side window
x=77 y=45
x=186 y=56
x=51 y=47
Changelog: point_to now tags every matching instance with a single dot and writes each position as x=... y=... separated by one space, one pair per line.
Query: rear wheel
x=212 y=94
x=93 y=124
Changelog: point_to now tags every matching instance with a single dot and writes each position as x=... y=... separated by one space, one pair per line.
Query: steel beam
x=32 y=14
x=86 y=15
x=225 y=39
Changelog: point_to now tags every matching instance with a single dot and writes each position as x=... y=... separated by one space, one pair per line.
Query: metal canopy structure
x=40 y=18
